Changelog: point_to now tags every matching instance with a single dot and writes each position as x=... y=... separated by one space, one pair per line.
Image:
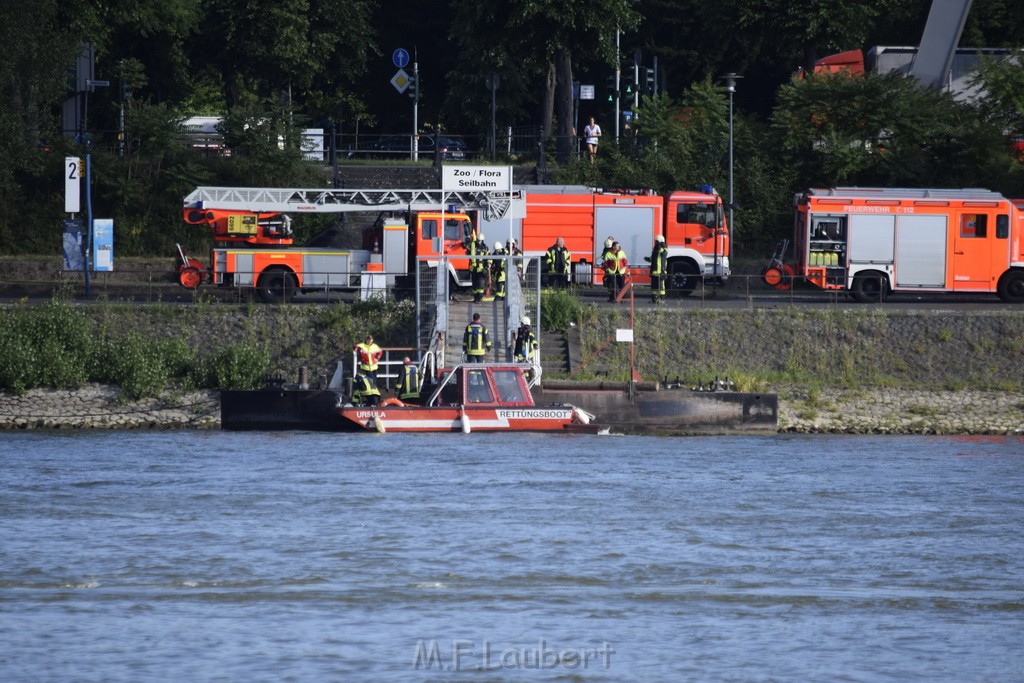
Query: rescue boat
x=472 y=397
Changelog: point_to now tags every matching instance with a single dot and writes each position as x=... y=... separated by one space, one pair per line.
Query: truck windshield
x=453 y=229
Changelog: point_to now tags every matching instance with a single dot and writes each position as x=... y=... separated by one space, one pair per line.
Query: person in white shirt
x=591 y=132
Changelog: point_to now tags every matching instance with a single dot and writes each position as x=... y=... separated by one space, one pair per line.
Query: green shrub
x=238 y=366
x=559 y=308
x=44 y=346
x=142 y=367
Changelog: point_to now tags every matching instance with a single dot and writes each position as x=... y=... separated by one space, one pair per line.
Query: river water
x=213 y=556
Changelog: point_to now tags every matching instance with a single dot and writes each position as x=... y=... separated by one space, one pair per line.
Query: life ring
x=391 y=402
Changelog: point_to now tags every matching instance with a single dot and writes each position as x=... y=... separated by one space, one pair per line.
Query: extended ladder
x=325 y=200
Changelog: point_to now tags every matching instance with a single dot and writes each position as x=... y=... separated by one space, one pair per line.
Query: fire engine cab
x=873 y=241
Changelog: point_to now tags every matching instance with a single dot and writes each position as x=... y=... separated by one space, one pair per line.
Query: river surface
x=213 y=556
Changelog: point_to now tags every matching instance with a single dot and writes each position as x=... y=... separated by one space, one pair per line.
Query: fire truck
x=253 y=243
x=873 y=241
x=692 y=223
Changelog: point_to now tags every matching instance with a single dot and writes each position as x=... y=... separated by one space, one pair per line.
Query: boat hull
x=458 y=419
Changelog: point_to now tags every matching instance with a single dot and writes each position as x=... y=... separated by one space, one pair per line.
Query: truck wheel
x=869 y=287
x=1011 y=286
x=276 y=286
x=683 y=277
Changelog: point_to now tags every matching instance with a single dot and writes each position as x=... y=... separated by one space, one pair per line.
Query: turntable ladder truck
x=253 y=243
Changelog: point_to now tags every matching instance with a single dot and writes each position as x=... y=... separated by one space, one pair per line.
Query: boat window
x=477 y=389
x=507 y=384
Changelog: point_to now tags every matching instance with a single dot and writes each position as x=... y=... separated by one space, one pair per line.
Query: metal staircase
x=442 y=315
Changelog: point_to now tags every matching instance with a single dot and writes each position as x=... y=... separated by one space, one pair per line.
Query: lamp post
x=730 y=87
x=493 y=80
x=618 y=78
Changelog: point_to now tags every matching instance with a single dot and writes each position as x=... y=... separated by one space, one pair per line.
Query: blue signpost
x=400 y=58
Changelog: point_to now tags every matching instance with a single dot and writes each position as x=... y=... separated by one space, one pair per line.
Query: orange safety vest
x=616 y=263
x=368 y=355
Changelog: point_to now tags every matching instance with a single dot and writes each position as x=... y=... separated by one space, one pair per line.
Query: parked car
x=392 y=146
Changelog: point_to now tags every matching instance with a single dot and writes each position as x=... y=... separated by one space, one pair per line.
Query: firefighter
x=365 y=391
x=498 y=270
x=409 y=385
x=617 y=265
x=659 y=269
x=558 y=261
x=478 y=267
x=476 y=342
x=367 y=356
x=525 y=343
x=609 y=274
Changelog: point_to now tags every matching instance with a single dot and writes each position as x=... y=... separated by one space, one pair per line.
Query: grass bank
x=148 y=348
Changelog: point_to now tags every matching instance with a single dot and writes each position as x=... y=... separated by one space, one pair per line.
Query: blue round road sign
x=400 y=57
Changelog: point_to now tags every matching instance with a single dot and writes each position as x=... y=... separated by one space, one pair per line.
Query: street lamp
x=618 y=78
x=493 y=80
x=730 y=87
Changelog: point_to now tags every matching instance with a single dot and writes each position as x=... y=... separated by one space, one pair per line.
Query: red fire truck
x=693 y=224
x=251 y=229
x=873 y=241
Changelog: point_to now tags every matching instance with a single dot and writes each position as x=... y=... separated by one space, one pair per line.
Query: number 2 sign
x=72 y=184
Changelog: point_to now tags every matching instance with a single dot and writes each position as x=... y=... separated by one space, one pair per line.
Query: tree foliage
x=271 y=68
x=882 y=130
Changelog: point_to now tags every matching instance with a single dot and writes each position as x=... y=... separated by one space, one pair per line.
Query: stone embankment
x=902 y=411
x=875 y=411
x=101 y=407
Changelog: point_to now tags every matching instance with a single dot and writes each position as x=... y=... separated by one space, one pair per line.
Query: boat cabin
x=482 y=384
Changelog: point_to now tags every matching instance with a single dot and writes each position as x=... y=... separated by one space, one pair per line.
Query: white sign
x=313 y=144
x=586 y=92
x=624 y=335
x=485 y=178
x=401 y=81
x=103 y=245
x=72 y=184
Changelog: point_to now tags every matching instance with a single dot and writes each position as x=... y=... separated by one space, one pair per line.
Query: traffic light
x=610 y=88
x=414 y=87
x=630 y=83
x=648 y=75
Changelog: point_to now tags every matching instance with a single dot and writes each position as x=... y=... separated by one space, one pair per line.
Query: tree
x=765 y=41
x=290 y=49
x=1002 y=81
x=545 y=35
x=882 y=130
x=33 y=84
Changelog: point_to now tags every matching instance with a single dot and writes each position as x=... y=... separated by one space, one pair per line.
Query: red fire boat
x=479 y=397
